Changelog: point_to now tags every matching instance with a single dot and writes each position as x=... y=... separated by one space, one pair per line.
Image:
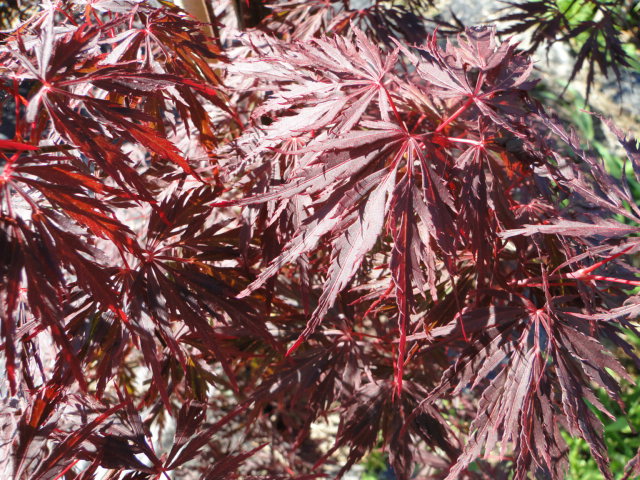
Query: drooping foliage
x=595 y=31
x=211 y=246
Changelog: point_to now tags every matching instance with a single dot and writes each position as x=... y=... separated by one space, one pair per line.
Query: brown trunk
x=200 y=10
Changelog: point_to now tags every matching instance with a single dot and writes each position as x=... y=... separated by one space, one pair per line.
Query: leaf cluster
x=212 y=247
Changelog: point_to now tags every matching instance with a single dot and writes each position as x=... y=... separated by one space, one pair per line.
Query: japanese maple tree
x=211 y=245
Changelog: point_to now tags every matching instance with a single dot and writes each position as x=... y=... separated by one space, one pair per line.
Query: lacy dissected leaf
x=166 y=286
x=333 y=80
x=506 y=360
x=355 y=212
x=33 y=428
x=580 y=356
x=500 y=73
x=310 y=379
x=99 y=117
x=516 y=382
x=176 y=210
x=54 y=463
x=226 y=467
x=190 y=438
x=303 y=20
x=375 y=411
x=366 y=174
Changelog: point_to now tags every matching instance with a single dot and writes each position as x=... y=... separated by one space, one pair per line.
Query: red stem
x=583 y=274
x=393 y=107
x=477 y=143
x=464 y=106
x=635 y=283
x=591 y=268
x=455 y=115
